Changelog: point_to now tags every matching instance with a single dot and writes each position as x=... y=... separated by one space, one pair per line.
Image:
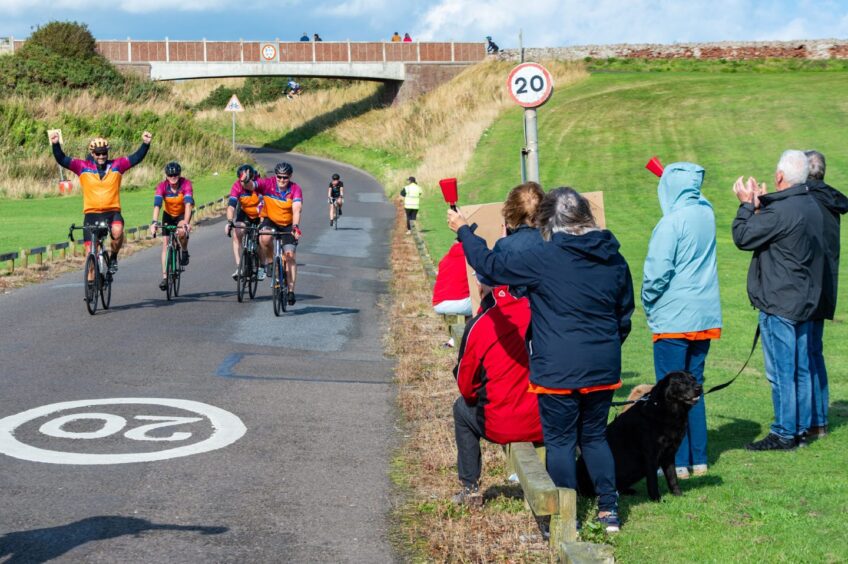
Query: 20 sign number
x=530 y=85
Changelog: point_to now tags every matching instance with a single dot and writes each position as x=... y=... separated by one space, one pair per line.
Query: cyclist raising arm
x=244 y=195
x=281 y=212
x=100 y=179
x=335 y=192
x=176 y=194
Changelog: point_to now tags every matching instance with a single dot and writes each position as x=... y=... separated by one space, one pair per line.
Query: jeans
x=468 y=432
x=787 y=360
x=573 y=418
x=682 y=354
x=818 y=375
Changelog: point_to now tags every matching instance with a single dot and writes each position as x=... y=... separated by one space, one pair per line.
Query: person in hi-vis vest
x=411 y=194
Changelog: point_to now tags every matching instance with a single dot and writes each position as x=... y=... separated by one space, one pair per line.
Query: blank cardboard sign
x=489 y=220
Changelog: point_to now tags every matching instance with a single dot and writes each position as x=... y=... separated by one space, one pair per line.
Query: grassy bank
x=597 y=135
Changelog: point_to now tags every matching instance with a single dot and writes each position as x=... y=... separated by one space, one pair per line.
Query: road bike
x=173 y=264
x=336 y=208
x=97 y=280
x=248 y=268
x=279 y=281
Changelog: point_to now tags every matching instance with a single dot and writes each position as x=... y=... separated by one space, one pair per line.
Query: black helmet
x=173 y=168
x=246 y=168
x=283 y=168
x=336 y=177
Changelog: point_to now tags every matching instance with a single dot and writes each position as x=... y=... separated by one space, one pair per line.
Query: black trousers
x=468 y=433
x=411 y=215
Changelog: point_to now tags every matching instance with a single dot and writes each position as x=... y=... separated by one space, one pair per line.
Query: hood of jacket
x=831 y=198
x=680 y=185
x=599 y=246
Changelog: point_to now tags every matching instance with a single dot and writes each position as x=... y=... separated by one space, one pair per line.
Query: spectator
x=784 y=229
x=833 y=204
x=407 y=38
x=316 y=37
x=680 y=295
x=519 y=213
x=451 y=295
x=581 y=300
x=396 y=38
x=411 y=194
x=491 y=47
x=304 y=37
x=492 y=374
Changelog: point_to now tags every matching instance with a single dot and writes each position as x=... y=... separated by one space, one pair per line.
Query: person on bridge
x=283 y=200
x=100 y=179
x=396 y=38
x=316 y=37
x=491 y=47
x=335 y=194
x=175 y=195
x=243 y=208
x=407 y=38
x=411 y=194
x=304 y=37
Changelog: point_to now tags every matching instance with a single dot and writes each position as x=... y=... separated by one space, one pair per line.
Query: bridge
x=408 y=68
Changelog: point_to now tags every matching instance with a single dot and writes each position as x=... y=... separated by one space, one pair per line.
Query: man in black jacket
x=784 y=229
x=833 y=204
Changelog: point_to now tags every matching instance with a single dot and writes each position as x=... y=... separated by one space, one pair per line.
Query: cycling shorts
x=168 y=219
x=242 y=217
x=289 y=242
x=108 y=217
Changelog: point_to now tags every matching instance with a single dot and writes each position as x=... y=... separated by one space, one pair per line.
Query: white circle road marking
x=227 y=428
x=111 y=425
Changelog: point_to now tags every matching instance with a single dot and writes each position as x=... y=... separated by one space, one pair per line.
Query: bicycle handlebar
x=89 y=228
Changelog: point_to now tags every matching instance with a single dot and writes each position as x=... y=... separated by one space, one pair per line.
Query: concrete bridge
x=408 y=68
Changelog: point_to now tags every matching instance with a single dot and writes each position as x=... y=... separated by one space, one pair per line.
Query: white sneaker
x=682 y=473
x=260 y=275
x=699 y=470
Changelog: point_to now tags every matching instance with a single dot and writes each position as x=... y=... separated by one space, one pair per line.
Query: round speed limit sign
x=530 y=85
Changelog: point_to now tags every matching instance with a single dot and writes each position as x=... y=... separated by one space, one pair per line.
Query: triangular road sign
x=234 y=105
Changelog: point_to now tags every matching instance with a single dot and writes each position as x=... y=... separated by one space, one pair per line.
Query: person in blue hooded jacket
x=680 y=295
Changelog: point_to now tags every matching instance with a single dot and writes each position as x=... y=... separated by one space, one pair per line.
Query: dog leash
x=714 y=388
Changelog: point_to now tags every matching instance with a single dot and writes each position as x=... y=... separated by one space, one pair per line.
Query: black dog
x=646 y=436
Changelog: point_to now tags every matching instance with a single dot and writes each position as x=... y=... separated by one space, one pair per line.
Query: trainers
x=184 y=258
x=682 y=473
x=340 y=211
x=469 y=495
x=801 y=441
x=331 y=223
x=235 y=274
x=291 y=297
x=260 y=274
x=163 y=285
x=699 y=470
x=610 y=522
x=772 y=442
x=817 y=431
x=113 y=265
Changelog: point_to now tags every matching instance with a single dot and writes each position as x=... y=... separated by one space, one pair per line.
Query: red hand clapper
x=655 y=166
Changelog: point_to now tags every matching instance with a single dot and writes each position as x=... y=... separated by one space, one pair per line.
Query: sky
x=543 y=23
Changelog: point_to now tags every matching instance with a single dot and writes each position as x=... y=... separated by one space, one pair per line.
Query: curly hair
x=521 y=205
x=564 y=210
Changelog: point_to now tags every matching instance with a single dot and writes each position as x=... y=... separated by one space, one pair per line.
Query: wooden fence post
x=24 y=258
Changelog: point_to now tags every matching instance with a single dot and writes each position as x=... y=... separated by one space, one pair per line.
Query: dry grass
x=192 y=92
x=502 y=530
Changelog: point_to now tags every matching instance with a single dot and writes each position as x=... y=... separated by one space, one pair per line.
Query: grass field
x=597 y=135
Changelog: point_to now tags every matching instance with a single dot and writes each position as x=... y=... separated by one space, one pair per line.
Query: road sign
x=234 y=105
x=268 y=52
x=129 y=427
x=530 y=85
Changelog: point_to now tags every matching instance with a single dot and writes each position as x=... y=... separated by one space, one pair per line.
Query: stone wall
x=421 y=78
x=729 y=50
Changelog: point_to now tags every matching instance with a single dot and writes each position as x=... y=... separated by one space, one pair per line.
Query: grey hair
x=564 y=210
x=817 y=165
x=793 y=165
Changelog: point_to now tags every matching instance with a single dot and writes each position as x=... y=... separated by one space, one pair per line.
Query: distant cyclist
x=244 y=195
x=335 y=194
x=281 y=212
x=294 y=89
x=175 y=197
x=100 y=178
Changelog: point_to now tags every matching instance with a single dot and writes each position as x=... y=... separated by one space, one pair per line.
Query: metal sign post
x=234 y=106
x=530 y=85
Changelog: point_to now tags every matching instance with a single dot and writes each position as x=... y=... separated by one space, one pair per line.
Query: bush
x=68 y=39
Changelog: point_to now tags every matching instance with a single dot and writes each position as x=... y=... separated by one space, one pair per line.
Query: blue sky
x=545 y=23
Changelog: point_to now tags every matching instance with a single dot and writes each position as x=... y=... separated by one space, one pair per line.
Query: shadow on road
x=225 y=295
x=43 y=545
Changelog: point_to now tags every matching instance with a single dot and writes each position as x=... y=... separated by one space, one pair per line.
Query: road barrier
x=69 y=249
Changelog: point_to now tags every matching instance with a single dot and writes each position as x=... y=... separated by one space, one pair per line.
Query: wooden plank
x=586 y=553
x=539 y=490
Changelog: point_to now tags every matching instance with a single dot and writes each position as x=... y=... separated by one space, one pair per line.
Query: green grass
x=42 y=221
x=598 y=135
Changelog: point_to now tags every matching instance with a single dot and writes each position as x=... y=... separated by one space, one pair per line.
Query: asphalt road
x=295 y=467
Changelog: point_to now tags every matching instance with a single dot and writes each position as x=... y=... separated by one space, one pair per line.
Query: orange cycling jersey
x=278 y=202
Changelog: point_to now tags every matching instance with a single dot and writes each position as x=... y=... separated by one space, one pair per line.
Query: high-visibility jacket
x=413 y=196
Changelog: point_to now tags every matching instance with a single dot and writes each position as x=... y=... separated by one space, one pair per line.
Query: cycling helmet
x=246 y=167
x=336 y=177
x=98 y=145
x=283 y=168
x=173 y=168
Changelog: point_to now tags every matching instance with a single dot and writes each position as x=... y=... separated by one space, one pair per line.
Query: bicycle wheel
x=336 y=216
x=277 y=289
x=253 y=280
x=92 y=284
x=241 y=277
x=169 y=272
x=177 y=269
x=284 y=285
x=105 y=286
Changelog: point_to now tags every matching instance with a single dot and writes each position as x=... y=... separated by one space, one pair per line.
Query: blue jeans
x=818 y=375
x=682 y=354
x=787 y=359
x=573 y=418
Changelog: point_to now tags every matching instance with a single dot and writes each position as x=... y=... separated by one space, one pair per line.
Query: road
x=295 y=467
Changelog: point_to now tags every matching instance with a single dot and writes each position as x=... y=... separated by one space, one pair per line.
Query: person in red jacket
x=451 y=295
x=492 y=373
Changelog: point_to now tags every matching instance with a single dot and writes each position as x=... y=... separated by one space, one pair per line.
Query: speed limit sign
x=530 y=85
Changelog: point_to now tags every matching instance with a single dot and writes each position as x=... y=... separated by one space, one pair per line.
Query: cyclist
x=335 y=192
x=281 y=211
x=248 y=198
x=100 y=179
x=174 y=196
x=295 y=89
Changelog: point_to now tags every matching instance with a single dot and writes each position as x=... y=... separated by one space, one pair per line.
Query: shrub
x=68 y=39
